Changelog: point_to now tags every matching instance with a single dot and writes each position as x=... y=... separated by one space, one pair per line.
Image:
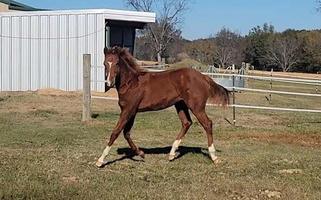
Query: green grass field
x=46 y=152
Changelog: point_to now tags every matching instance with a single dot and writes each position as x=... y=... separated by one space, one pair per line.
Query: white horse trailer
x=44 y=49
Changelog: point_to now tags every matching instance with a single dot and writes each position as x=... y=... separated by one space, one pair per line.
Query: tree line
x=263 y=47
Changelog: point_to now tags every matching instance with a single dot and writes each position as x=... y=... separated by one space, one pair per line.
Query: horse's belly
x=153 y=104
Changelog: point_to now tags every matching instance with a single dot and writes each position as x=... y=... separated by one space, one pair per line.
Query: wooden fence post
x=86 y=112
x=271 y=84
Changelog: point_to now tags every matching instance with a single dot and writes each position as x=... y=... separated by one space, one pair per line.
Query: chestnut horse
x=140 y=91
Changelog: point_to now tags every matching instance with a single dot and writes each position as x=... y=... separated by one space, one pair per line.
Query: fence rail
x=275 y=92
x=303 y=79
x=107 y=98
x=310 y=81
x=276 y=108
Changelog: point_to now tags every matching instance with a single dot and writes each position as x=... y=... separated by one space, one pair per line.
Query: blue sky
x=207 y=17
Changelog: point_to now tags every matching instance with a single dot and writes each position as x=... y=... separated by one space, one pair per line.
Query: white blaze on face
x=108 y=76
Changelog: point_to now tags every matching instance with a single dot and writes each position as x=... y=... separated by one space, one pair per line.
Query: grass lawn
x=46 y=152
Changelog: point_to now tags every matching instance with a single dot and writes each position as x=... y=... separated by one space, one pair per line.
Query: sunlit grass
x=46 y=152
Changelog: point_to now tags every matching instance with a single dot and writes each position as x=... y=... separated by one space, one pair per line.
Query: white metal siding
x=44 y=50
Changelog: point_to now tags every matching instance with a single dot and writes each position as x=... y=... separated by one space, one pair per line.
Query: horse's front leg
x=126 y=132
x=123 y=119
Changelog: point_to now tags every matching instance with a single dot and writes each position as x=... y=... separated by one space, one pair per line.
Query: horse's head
x=118 y=60
x=111 y=64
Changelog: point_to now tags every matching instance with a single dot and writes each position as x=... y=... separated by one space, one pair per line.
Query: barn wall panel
x=44 y=51
x=25 y=54
x=6 y=54
x=15 y=63
x=35 y=54
x=40 y=51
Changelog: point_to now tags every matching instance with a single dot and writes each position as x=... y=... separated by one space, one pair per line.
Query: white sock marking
x=105 y=153
x=175 y=146
x=211 y=151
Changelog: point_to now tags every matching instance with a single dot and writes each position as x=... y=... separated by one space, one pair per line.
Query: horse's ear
x=105 y=50
x=117 y=50
x=122 y=51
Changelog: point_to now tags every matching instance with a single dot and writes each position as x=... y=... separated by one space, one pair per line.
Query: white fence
x=316 y=82
x=311 y=81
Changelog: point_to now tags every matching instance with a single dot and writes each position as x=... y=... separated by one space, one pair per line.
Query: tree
x=318 y=5
x=173 y=51
x=166 y=28
x=257 y=41
x=202 y=50
x=143 y=49
x=283 y=51
x=310 y=46
x=227 y=51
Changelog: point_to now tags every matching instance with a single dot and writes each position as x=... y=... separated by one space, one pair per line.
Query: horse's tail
x=218 y=94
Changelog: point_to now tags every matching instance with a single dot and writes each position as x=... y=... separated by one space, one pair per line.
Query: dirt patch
x=111 y=93
x=302 y=139
x=271 y=194
x=54 y=92
x=285 y=162
x=284 y=74
x=54 y=100
x=70 y=180
x=290 y=171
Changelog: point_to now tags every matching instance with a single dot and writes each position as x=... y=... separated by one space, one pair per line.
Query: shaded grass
x=46 y=152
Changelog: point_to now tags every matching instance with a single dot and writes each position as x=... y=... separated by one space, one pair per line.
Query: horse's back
x=192 y=83
x=175 y=79
x=189 y=75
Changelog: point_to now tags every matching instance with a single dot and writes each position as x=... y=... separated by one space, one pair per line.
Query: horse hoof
x=216 y=161
x=171 y=157
x=99 y=164
x=141 y=153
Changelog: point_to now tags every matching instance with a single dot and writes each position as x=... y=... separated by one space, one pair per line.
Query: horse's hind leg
x=186 y=120
x=207 y=125
x=126 y=132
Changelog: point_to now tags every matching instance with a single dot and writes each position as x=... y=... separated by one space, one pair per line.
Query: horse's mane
x=126 y=58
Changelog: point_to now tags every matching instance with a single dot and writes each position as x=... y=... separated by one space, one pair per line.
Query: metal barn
x=43 y=49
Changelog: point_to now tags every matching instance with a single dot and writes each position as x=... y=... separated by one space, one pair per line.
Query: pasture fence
x=234 y=89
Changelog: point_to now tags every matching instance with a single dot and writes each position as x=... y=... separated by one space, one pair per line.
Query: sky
x=207 y=17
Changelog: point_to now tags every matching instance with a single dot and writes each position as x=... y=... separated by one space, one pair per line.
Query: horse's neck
x=125 y=81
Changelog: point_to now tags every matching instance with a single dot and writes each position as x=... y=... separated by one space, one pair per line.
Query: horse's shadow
x=182 y=151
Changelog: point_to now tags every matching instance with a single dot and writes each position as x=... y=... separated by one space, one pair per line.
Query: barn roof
x=109 y=14
x=13 y=5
